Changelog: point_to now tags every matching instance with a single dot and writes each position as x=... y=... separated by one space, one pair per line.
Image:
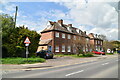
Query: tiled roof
x=94 y=36
x=44 y=42
x=64 y=28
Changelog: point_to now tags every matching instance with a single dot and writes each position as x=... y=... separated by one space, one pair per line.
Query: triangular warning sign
x=27 y=41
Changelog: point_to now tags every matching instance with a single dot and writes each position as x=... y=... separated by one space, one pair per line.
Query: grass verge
x=74 y=55
x=109 y=53
x=22 y=60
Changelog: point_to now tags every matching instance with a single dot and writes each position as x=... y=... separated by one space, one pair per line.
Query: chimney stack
x=70 y=25
x=60 y=21
x=96 y=35
x=85 y=32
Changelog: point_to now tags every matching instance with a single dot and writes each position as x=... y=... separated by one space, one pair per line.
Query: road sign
x=26 y=44
x=27 y=40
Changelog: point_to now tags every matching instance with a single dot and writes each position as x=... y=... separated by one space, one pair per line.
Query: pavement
x=52 y=63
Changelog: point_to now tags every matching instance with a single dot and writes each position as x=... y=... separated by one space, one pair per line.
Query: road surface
x=103 y=68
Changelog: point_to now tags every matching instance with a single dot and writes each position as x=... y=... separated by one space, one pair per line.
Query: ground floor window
x=57 y=49
x=87 y=49
x=63 y=48
x=69 y=49
x=96 y=48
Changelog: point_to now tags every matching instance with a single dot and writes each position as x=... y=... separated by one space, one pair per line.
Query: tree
x=103 y=37
x=13 y=38
x=107 y=44
x=80 y=45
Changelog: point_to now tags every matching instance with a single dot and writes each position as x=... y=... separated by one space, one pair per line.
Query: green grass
x=74 y=55
x=22 y=60
x=109 y=53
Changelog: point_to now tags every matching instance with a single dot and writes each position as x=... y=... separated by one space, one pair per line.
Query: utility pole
x=16 y=15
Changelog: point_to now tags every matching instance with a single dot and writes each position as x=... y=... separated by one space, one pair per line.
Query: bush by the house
x=89 y=54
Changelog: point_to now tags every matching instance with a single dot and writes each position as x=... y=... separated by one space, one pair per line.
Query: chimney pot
x=60 y=21
x=70 y=25
x=85 y=32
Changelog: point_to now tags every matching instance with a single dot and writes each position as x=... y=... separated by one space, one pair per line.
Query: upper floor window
x=96 y=42
x=74 y=37
x=57 y=49
x=57 y=34
x=63 y=35
x=87 y=40
x=69 y=36
x=63 y=48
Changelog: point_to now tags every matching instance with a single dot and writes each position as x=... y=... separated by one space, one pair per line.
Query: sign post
x=27 y=42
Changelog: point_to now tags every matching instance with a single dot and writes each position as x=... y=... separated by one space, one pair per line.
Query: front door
x=50 y=48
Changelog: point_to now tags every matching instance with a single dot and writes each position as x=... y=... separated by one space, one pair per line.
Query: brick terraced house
x=59 y=38
x=96 y=41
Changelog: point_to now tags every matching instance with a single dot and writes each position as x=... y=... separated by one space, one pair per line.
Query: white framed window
x=74 y=48
x=63 y=48
x=87 y=40
x=87 y=49
x=63 y=35
x=69 y=36
x=57 y=34
x=83 y=49
x=74 y=37
x=96 y=47
x=96 y=42
x=69 y=49
x=57 y=49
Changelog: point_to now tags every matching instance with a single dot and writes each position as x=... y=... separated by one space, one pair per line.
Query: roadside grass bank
x=109 y=53
x=75 y=55
x=22 y=60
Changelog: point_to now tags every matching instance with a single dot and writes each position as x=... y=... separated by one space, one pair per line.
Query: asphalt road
x=103 y=68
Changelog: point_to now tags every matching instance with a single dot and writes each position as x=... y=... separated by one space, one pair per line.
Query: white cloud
x=102 y=16
x=111 y=33
x=97 y=17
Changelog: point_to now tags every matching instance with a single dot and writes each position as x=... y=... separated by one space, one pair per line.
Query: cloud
x=110 y=33
x=92 y=16
x=102 y=16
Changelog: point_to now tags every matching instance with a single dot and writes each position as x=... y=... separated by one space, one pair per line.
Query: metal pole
x=16 y=15
x=27 y=52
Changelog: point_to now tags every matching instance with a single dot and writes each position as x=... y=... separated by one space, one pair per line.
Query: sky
x=98 y=17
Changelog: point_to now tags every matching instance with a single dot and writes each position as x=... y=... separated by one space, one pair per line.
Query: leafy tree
x=80 y=45
x=107 y=44
x=13 y=38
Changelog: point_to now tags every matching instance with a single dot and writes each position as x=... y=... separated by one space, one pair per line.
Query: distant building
x=96 y=41
x=59 y=38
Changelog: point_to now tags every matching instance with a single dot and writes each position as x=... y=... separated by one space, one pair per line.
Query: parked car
x=99 y=52
x=45 y=54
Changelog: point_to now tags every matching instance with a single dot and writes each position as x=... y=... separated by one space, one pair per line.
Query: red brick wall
x=47 y=35
x=59 y=41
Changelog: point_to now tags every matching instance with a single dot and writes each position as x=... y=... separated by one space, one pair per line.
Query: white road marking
x=74 y=73
x=105 y=63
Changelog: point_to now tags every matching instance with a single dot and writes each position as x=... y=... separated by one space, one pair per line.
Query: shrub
x=89 y=55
